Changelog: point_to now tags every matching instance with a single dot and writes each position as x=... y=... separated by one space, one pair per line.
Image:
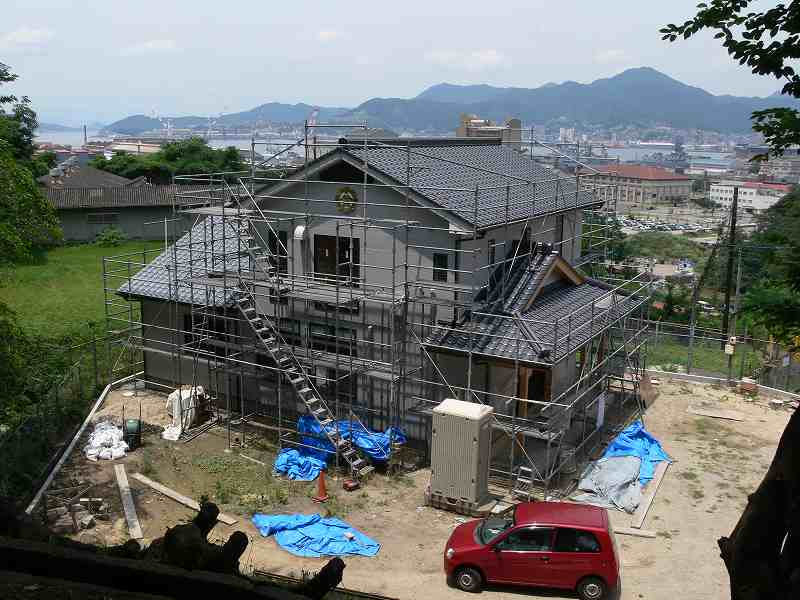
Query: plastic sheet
x=612 y=483
x=635 y=440
x=297 y=465
x=314 y=536
x=375 y=444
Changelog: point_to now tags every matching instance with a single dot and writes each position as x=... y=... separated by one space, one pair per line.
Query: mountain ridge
x=640 y=96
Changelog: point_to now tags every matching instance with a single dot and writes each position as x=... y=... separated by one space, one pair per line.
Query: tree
x=762 y=554
x=28 y=222
x=771 y=270
x=766 y=41
x=186 y=157
x=17 y=120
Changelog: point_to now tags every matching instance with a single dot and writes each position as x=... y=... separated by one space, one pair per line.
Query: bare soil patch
x=717 y=463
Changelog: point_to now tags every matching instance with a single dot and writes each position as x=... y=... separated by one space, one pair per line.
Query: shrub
x=110 y=236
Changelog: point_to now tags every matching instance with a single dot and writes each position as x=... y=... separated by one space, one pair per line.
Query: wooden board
x=127 y=502
x=717 y=413
x=645 y=533
x=650 y=494
x=169 y=493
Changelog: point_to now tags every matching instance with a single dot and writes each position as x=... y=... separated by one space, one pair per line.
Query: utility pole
x=736 y=311
x=729 y=274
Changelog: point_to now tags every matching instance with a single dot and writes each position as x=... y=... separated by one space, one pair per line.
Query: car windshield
x=494 y=525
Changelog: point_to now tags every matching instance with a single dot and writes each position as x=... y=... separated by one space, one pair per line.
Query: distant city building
x=781 y=168
x=638 y=184
x=510 y=134
x=566 y=135
x=754 y=196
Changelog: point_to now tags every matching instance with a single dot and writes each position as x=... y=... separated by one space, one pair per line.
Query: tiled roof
x=158 y=279
x=115 y=197
x=642 y=172
x=85 y=177
x=467 y=166
x=512 y=332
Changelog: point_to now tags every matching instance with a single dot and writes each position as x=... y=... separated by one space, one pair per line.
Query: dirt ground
x=716 y=464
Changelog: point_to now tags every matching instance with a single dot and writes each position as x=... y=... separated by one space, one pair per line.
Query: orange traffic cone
x=322 y=491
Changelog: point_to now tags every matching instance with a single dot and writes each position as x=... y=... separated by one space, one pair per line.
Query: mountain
x=272 y=112
x=464 y=94
x=54 y=127
x=641 y=96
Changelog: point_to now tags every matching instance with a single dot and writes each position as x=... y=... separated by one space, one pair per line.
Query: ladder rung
x=326 y=421
x=366 y=470
x=304 y=390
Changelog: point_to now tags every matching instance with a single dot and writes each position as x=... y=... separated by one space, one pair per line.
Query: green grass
x=706 y=356
x=59 y=295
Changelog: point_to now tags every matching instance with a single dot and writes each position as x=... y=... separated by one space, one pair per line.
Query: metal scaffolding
x=238 y=275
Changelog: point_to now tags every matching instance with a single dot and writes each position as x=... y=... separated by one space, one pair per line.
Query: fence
x=678 y=348
x=29 y=446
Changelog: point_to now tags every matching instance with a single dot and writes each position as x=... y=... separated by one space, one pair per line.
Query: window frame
x=439 y=272
x=577 y=530
x=504 y=544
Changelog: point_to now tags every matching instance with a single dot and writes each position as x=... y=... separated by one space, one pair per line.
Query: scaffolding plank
x=645 y=533
x=717 y=413
x=170 y=493
x=127 y=502
x=641 y=512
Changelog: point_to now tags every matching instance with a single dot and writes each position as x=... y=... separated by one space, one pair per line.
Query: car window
x=493 y=526
x=537 y=539
x=576 y=540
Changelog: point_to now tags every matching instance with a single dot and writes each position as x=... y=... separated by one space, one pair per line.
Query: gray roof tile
x=160 y=280
x=489 y=167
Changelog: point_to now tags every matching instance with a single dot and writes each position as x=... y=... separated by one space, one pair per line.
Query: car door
x=576 y=553
x=523 y=556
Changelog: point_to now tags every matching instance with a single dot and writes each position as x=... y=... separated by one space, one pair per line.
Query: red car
x=547 y=544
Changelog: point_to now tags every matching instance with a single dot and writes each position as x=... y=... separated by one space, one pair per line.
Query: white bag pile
x=105 y=442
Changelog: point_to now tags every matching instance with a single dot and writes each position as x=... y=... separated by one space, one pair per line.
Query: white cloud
x=25 y=36
x=329 y=35
x=475 y=60
x=151 y=47
x=612 y=55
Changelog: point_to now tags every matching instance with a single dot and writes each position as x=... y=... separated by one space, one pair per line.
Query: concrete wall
x=131 y=221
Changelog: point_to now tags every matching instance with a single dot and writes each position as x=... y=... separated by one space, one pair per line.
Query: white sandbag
x=105 y=442
x=171 y=433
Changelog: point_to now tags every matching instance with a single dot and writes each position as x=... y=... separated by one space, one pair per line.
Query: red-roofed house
x=641 y=184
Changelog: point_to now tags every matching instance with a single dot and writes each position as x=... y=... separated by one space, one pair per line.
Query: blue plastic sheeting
x=635 y=440
x=375 y=444
x=298 y=465
x=313 y=536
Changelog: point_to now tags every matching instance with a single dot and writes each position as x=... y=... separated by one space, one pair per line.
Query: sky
x=83 y=61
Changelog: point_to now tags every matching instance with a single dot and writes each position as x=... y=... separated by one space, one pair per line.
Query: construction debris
x=127 y=502
x=106 y=442
x=717 y=413
x=170 y=493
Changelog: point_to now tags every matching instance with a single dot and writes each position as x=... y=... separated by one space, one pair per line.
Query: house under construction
x=383 y=277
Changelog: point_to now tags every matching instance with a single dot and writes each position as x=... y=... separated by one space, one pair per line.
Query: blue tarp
x=313 y=536
x=635 y=440
x=375 y=444
x=298 y=465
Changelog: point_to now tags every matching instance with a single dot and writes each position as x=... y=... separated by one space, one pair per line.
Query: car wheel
x=592 y=588
x=468 y=579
